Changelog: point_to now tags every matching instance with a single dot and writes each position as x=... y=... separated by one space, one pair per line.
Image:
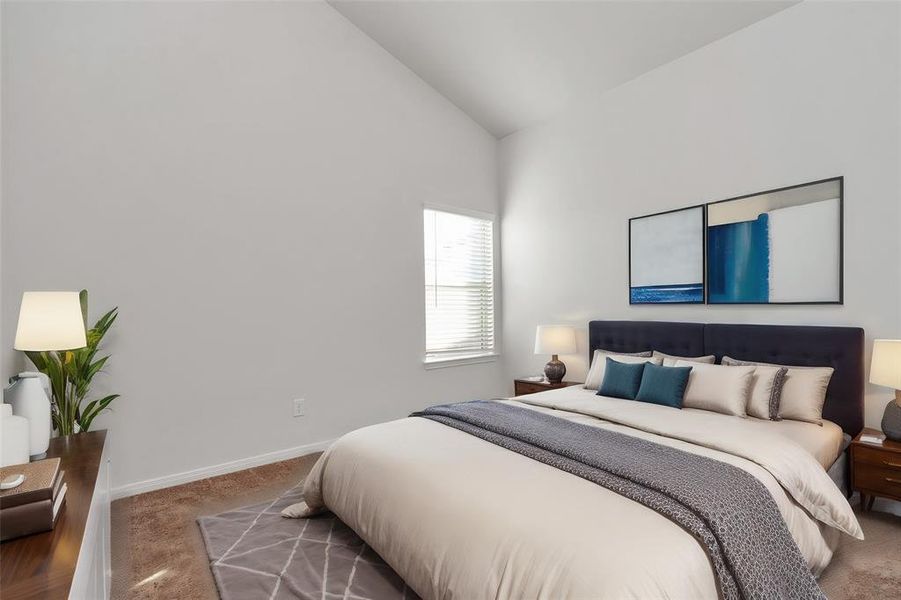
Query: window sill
x=455 y=361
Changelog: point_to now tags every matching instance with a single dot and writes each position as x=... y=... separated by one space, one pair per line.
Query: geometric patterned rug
x=255 y=553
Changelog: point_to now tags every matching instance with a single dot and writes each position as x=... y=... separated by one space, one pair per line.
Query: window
x=459 y=286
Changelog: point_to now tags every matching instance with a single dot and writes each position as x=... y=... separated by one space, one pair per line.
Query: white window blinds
x=459 y=285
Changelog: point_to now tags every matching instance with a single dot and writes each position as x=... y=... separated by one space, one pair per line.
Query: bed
x=458 y=516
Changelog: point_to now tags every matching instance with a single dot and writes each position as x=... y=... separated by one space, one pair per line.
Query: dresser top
x=42 y=565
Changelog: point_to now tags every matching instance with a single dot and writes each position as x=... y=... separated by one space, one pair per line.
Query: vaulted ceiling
x=509 y=64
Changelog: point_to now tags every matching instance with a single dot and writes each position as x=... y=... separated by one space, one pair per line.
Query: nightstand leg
x=863 y=502
x=870 y=503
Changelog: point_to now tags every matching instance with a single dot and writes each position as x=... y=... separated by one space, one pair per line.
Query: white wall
x=809 y=93
x=245 y=181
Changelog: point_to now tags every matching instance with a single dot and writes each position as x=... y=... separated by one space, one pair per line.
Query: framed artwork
x=666 y=257
x=781 y=246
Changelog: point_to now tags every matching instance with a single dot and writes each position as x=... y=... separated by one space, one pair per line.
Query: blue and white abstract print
x=667 y=257
x=768 y=250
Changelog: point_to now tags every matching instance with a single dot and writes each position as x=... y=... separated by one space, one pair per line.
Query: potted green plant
x=71 y=373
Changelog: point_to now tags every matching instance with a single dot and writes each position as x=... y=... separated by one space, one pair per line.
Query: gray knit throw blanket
x=727 y=510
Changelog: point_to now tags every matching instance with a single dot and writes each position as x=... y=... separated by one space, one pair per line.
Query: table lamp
x=554 y=340
x=48 y=321
x=885 y=369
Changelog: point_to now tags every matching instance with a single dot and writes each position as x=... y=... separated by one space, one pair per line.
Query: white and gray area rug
x=256 y=553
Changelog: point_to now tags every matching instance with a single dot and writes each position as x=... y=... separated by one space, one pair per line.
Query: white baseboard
x=159 y=483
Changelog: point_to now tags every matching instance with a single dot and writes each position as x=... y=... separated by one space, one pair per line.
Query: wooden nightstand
x=875 y=469
x=524 y=386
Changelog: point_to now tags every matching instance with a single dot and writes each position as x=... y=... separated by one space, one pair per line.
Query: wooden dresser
x=875 y=469
x=73 y=560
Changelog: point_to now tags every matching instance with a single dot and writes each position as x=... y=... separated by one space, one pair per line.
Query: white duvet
x=458 y=517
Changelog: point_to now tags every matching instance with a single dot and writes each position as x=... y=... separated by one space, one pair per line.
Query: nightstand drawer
x=878 y=480
x=879 y=458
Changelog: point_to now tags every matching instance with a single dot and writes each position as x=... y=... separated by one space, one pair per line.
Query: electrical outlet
x=298 y=407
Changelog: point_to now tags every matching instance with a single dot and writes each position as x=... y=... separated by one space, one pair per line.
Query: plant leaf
x=39 y=359
x=83 y=301
x=106 y=321
x=94 y=367
x=93 y=409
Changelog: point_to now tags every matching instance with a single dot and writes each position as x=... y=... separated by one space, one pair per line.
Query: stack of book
x=33 y=506
x=872 y=438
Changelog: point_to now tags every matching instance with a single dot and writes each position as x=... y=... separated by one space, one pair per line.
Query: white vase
x=14 y=445
x=28 y=399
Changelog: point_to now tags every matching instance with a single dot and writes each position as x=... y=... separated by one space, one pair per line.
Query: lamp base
x=555 y=370
x=891 y=419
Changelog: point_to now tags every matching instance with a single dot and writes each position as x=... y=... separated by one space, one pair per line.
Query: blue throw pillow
x=663 y=385
x=621 y=380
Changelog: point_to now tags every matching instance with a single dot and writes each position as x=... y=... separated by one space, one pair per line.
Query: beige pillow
x=599 y=366
x=717 y=388
x=670 y=360
x=766 y=388
x=803 y=392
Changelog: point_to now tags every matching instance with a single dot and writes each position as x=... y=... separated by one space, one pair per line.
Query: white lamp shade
x=555 y=339
x=885 y=368
x=50 y=321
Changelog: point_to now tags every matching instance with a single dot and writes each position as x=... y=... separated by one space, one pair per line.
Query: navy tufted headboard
x=839 y=347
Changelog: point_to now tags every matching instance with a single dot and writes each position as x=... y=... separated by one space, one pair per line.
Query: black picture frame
x=703 y=299
x=841 y=245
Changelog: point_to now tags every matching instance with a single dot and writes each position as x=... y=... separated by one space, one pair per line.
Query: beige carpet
x=871 y=568
x=158 y=551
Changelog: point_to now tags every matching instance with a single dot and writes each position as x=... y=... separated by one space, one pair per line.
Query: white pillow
x=803 y=392
x=670 y=360
x=599 y=366
x=717 y=388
